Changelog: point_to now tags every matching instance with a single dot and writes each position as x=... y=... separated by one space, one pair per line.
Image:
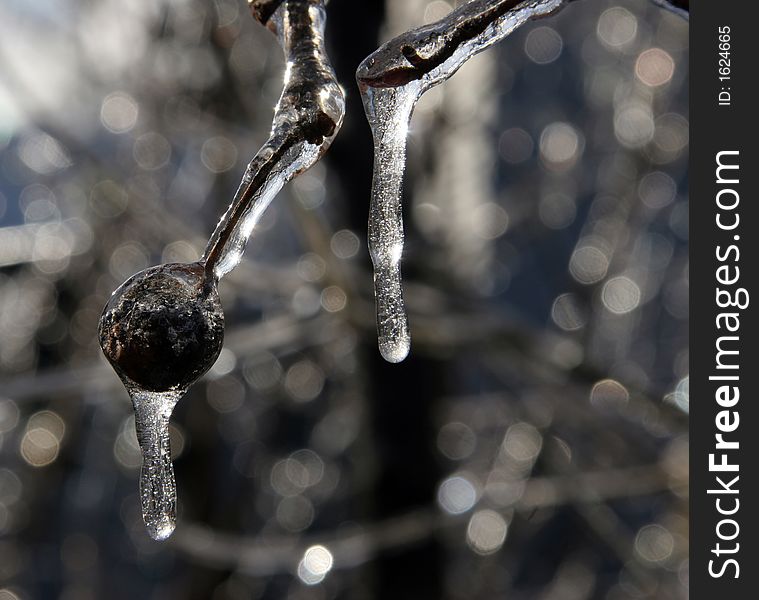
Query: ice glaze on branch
x=164 y=327
x=306 y=119
x=417 y=52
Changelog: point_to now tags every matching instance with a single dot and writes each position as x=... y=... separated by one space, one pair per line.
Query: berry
x=164 y=327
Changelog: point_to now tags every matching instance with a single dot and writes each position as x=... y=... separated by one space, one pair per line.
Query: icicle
x=391 y=81
x=389 y=112
x=158 y=490
x=164 y=327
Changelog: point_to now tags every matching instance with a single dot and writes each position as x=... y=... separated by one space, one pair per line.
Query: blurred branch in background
x=533 y=445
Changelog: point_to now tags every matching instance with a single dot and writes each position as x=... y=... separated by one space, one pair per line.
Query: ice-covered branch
x=435 y=52
x=164 y=327
x=306 y=119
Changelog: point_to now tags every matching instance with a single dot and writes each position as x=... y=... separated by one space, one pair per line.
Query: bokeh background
x=534 y=444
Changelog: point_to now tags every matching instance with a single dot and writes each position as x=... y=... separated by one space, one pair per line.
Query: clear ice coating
x=158 y=489
x=307 y=117
x=163 y=328
x=391 y=81
x=389 y=111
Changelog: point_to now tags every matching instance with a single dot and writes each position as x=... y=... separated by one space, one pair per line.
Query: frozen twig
x=164 y=327
x=306 y=119
x=434 y=52
x=472 y=27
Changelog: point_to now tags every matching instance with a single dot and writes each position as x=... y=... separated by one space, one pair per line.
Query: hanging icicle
x=392 y=80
